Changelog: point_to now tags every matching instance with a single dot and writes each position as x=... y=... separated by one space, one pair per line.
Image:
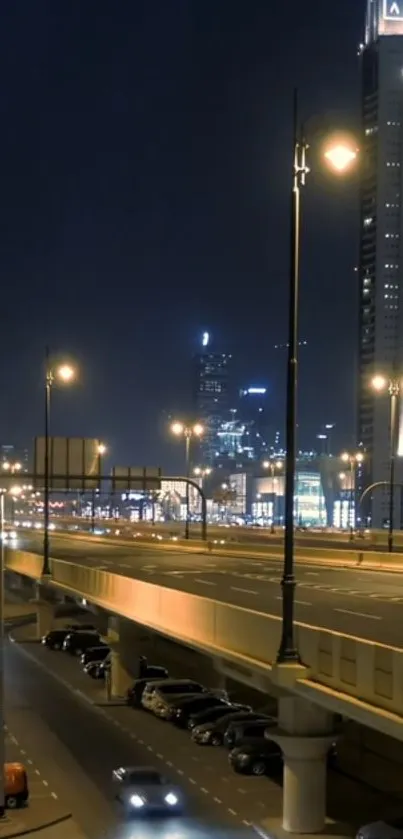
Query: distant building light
x=257 y=390
x=205 y=339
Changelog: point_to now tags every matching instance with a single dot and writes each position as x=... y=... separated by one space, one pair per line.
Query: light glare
x=65 y=372
x=379 y=382
x=340 y=156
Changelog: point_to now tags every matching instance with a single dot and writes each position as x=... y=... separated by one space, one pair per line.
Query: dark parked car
x=212 y=733
x=211 y=715
x=76 y=643
x=258 y=758
x=55 y=638
x=186 y=707
x=98 y=653
x=98 y=669
x=242 y=730
x=135 y=693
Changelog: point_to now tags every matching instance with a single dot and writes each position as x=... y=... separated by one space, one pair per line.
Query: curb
x=26 y=830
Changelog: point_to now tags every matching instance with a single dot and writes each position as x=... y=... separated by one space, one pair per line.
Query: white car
x=155 y=694
x=390 y=829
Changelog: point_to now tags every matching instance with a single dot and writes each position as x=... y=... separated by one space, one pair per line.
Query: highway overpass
x=341 y=673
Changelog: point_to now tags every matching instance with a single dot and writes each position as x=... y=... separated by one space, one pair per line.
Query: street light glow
x=101 y=448
x=65 y=373
x=177 y=428
x=198 y=429
x=15 y=491
x=340 y=156
x=379 y=382
x=345 y=457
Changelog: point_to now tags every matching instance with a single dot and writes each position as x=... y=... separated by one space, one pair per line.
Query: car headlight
x=206 y=736
x=136 y=801
x=242 y=758
x=171 y=799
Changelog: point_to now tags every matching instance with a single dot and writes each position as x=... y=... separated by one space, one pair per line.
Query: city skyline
x=96 y=198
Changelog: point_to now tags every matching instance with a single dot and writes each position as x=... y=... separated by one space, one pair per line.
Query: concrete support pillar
x=304 y=736
x=44 y=617
x=120 y=678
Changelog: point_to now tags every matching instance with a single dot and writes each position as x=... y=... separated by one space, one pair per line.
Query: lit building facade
x=381 y=236
x=211 y=396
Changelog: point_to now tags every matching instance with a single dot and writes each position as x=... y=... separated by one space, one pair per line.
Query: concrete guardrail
x=362 y=679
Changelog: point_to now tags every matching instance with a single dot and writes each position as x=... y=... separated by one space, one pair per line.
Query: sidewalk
x=44 y=815
x=251 y=800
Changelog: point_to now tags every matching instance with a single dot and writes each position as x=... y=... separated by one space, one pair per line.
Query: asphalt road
x=88 y=748
x=357 y=602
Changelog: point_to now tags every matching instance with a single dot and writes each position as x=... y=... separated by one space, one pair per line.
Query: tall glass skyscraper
x=381 y=239
x=211 y=397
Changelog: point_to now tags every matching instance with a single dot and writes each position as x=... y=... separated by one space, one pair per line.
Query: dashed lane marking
x=233 y=812
x=244 y=590
x=192 y=780
x=359 y=614
x=217 y=800
x=203 y=789
x=204 y=582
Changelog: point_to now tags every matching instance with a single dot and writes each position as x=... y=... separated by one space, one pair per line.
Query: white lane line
x=233 y=812
x=300 y=602
x=203 y=789
x=218 y=800
x=204 y=582
x=37 y=772
x=359 y=614
x=148 y=567
x=242 y=791
x=245 y=590
x=311 y=573
x=53 y=794
x=45 y=783
x=180 y=771
x=192 y=780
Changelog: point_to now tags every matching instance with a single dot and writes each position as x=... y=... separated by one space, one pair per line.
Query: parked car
x=98 y=653
x=241 y=730
x=262 y=757
x=382 y=829
x=145 y=790
x=211 y=715
x=191 y=705
x=98 y=669
x=54 y=639
x=76 y=643
x=212 y=733
x=155 y=694
x=16 y=791
x=135 y=693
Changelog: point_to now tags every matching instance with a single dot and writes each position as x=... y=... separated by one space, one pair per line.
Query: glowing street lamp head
x=17 y=467
x=342 y=476
x=177 y=428
x=359 y=457
x=198 y=429
x=197 y=470
x=101 y=448
x=278 y=464
x=266 y=464
x=340 y=154
x=6 y=466
x=379 y=383
x=345 y=457
x=15 y=491
x=65 y=373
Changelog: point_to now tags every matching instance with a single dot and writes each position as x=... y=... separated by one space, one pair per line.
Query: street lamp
x=392 y=386
x=180 y=429
x=352 y=459
x=340 y=161
x=202 y=472
x=63 y=373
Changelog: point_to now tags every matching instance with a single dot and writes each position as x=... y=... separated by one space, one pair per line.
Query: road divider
x=358 y=678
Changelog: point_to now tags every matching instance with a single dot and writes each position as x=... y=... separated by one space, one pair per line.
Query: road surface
x=362 y=603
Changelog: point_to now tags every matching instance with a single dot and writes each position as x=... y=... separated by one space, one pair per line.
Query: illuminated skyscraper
x=381 y=237
x=210 y=395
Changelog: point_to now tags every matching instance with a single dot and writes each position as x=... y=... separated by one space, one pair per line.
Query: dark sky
x=145 y=179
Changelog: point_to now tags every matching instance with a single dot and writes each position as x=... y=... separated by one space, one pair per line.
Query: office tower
x=210 y=395
x=381 y=257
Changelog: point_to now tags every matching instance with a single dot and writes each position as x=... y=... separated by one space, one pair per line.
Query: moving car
x=98 y=653
x=382 y=829
x=156 y=694
x=212 y=733
x=76 y=643
x=241 y=730
x=142 y=790
x=256 y=758
x=135 y=693
x=211 y=715
x=15 y=785
x=191 y=705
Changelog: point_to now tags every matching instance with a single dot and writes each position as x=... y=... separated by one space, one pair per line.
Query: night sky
x=145 y=180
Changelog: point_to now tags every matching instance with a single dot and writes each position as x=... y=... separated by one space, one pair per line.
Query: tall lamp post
x=272 y=465
x=188 y=432
x=352 y=459
x=339 y=154
x=63 y=373
x=11 y=469
x=392 y=386
x=101 y=450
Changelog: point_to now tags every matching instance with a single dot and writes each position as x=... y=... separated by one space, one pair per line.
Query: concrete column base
x=120 y=678
x=45 y=614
